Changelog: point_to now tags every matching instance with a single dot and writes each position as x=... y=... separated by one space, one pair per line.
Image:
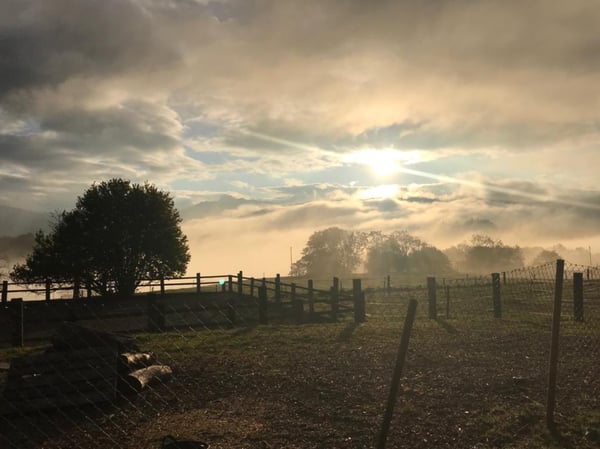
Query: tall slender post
x=198 y=283
x=389 y=285
x=552 y=371
x=230 y=283
x=400 y=359
x=578 y=296
x=252 y=286
x=431 y=294
x=496 y=295
x=4 y=292
x=48 y=288
x=162 y=286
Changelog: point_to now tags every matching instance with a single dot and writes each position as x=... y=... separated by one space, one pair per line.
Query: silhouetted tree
x=118 y=234
x=332 y=251
x=401 y=252
x=389 y=253
x=486 y=255
x=545 y=256
x=429 y=260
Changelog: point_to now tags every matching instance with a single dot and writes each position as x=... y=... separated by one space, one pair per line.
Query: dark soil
x=466 y=385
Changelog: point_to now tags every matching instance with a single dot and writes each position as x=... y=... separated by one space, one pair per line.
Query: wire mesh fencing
x=98 y=373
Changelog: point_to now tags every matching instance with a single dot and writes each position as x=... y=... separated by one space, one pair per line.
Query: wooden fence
x=181 y=303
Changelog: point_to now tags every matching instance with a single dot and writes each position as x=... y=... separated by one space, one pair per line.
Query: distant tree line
x=336 y=251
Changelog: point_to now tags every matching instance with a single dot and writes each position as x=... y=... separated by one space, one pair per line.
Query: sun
x=383 y=162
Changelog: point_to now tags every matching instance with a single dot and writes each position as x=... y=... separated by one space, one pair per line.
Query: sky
x=442 y=117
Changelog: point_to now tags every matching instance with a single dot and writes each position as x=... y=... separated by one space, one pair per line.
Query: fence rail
x=189 y=302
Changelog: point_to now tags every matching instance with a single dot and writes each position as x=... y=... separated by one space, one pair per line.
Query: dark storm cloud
x=46 y=43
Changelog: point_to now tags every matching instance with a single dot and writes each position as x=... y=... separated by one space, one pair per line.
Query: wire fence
x=96 y=373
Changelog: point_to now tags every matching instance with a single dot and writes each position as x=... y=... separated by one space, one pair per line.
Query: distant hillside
x=15 y=221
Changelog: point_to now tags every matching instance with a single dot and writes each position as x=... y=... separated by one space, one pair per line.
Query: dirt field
x=468 y=384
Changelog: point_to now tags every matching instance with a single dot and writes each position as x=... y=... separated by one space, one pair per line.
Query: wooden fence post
x=18 y=321
x=198 y=283
x=496 y=297
x=162 y=286
x=240 y=283
x=359 y=301
x=156 y=314
x=277 y=288
x=263 y=305
x=311 y=299
x=389 y=285
x=297 y=305
x=230 y=284
x=335 y=298
x=76 y=288
x=504 y=278
x=578 y=296
x=397 y=375
x=552 y=371
x=252 y=286
x=48 y=289
x=88 y=290
x=447 y=288
x=4 y=292
x=431 y=295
